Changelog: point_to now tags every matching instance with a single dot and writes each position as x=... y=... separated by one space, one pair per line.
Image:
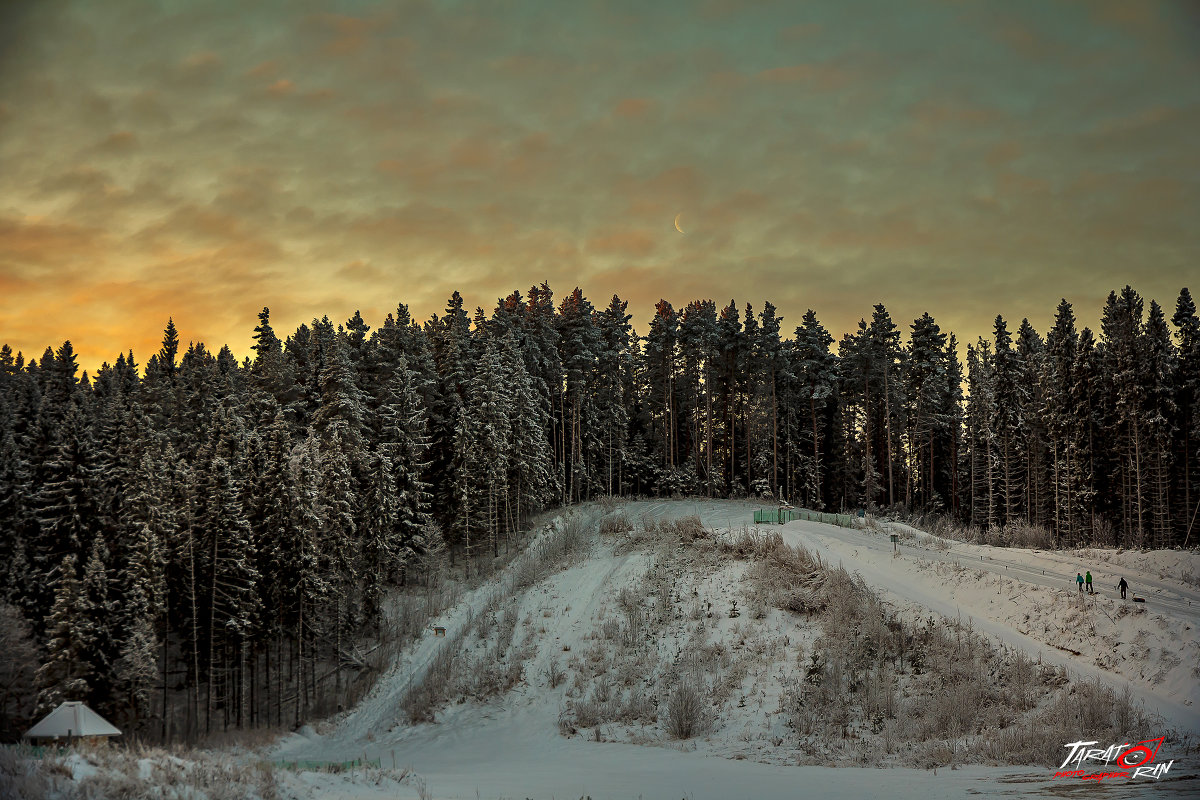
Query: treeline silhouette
x=198 y=544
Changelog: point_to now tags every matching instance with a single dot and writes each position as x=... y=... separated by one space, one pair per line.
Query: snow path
x=1050 y=568
x=380 y=710
x=903 y=580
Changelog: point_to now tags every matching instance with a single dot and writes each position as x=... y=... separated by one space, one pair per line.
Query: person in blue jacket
x=1079 y=580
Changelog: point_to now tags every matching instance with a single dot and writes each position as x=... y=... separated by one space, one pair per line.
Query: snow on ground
x=1028 y=599
x=609 y=632
x=512 y=745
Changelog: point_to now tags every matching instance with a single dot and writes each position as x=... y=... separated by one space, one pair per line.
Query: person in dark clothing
x=1088 y=580
x=1079 y=580
x=1122 y=586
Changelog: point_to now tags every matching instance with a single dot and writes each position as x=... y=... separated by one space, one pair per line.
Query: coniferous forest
x=190 y=543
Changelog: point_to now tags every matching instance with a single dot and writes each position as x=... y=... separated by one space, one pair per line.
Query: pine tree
x=1123 y=355
x=1036 y=496
x=661 y=367
x=815 y=371
x=229 y=560
x=64 y=502
x=775 y=373
x=65 y=674
x=578 y=344
x=403 y=441
x=1158 y=413
x=302 y=554
x=887 y=368
x=981 y=438
x=1006 y=422
x=341 y=538
x=450 y=344
x=924 y=382
x=1088 y=429
x=148 y=521
x=381 y=555
x=104 y=643
x=18 y=670
x=614 y=379
x=950 y=423
x=530 y=455
x=1058 y=377
x=1187 y=414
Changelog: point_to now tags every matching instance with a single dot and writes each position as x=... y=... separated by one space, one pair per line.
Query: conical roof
x=72 y=718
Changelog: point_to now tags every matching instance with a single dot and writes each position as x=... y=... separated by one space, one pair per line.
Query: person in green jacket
x=1079 y=580
x=1088 y=580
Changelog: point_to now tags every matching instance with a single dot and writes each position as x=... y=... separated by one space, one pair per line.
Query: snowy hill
x=668 y=649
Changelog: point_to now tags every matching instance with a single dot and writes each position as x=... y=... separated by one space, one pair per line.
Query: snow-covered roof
x=72 y=718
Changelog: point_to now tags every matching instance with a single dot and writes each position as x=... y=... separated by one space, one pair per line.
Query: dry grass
x=21 y=776
x=687 y=712
x=127 y=773
x=615 y=524
x=1013 y=534
x=875 y=686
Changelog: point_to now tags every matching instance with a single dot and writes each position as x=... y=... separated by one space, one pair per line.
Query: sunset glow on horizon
x=199 y=161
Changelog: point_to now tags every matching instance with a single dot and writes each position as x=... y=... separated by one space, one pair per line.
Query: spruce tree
x=1159 y=413
x=814 y=369
x=65 y=673
x=1187 y=415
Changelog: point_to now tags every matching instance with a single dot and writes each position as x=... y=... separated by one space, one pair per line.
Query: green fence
x=327 y=766
x=778 y=516
x=29 y=751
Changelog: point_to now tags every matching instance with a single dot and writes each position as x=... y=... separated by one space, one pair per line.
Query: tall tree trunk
x=887 y=415
x=774 y=436
x=1137 y=473
x=1057 y=503
x=212 y=627
x=708 y=426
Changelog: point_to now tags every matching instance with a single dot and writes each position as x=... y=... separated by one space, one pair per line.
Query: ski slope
x=511 y=746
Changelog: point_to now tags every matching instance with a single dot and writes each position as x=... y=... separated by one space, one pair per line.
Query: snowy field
x=515 y=745
x=554 y=677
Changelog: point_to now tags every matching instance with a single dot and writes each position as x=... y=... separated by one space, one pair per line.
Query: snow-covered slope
x=608 y=633
x=1029 y=599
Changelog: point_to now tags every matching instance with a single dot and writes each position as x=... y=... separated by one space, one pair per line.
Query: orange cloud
x=633 y=107
x=264 y=69
x=348 y=35
x=203 y=60
x=1003 y=152
x=796 y=33
x=1016 y=183
x=39 y=242
x=818 y=76
x=119 y=141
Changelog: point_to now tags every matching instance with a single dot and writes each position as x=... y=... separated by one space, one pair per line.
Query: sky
x=202 y=160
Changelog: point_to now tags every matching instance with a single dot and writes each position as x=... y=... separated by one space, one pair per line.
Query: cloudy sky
x=202 y=160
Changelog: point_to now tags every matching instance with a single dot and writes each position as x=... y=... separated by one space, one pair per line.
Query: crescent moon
x=677 y=216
